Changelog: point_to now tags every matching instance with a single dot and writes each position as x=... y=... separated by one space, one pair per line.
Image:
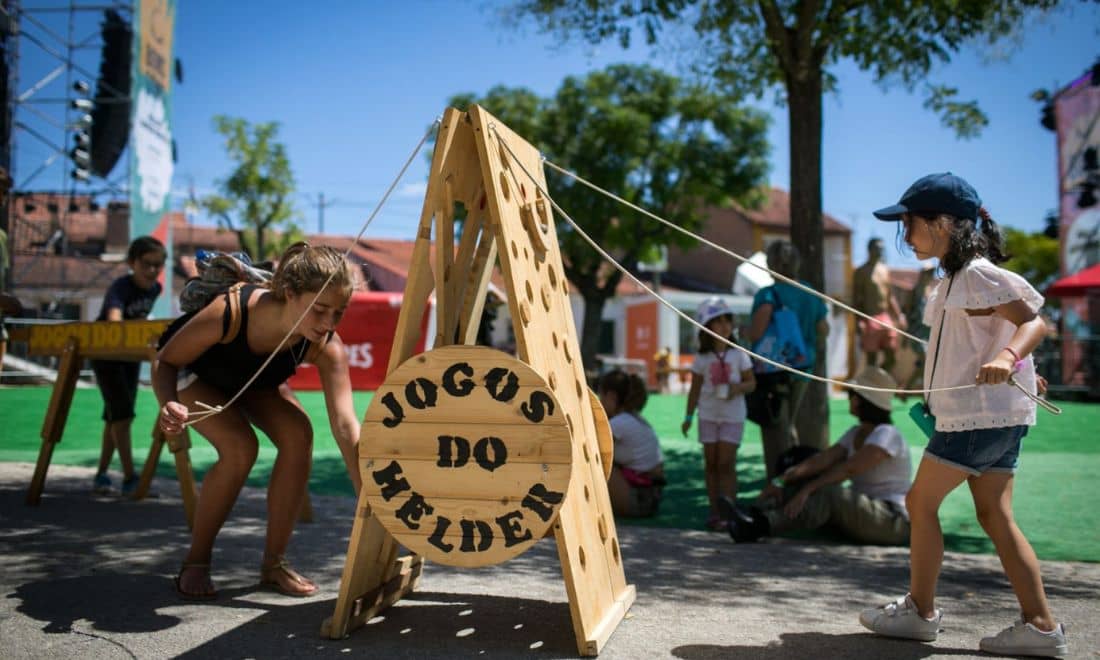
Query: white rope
x=727 y=251
x=725 y=340
x=210 y=411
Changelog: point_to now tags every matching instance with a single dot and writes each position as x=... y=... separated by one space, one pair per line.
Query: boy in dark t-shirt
x=129 y=297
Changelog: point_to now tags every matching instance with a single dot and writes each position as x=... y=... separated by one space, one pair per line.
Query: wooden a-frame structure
x=507 y=219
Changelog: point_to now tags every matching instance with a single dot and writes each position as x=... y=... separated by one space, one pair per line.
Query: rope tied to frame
x=208 y=410
x=603 y=253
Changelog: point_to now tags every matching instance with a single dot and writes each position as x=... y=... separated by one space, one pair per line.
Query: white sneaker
x=1022 y=638
x=901 y=619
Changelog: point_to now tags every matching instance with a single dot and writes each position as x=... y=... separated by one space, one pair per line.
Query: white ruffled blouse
x=968 y=342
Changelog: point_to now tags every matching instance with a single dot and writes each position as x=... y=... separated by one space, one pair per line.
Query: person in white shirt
x=984 y=325
x=721 y=376
x=637 y=474
x=809 y=495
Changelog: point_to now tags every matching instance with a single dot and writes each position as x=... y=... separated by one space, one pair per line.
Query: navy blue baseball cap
x=935 y=193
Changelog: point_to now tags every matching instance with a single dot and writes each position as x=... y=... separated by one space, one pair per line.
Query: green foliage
x=255 y=199
x=750 y=47
x=1033 y=256
x=664 y=145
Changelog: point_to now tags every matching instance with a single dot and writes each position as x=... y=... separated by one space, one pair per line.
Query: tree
x=653 y=140
x=789 y=46
x=254 y=200
x=1035 y=256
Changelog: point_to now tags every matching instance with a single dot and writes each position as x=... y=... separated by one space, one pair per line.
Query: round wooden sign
x=466 y=455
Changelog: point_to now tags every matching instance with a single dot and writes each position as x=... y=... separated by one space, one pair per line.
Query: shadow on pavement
x=820 y=645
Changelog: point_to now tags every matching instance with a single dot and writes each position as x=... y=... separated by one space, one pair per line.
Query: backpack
x=219 y=274
x=782 y=341
x=224 y=274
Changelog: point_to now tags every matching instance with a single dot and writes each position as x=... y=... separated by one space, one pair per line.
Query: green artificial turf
x=1054 y=500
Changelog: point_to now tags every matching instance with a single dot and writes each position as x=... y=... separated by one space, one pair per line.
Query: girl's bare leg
x=992 y=494
x=236 y=443
x=933 y=482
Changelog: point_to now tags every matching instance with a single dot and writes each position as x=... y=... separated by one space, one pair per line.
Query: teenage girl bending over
x=211 y=357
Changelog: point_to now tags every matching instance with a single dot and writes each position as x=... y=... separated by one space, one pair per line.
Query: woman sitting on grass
x=809 y=495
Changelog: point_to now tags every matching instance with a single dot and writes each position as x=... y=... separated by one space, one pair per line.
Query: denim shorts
x=978 y=450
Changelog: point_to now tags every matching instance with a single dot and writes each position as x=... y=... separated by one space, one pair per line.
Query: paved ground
x=91 y=577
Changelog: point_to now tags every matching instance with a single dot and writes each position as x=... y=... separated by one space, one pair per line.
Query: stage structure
x=470 y=456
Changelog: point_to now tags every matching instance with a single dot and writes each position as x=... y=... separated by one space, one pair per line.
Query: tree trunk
x=590 y=332
x=804 y=92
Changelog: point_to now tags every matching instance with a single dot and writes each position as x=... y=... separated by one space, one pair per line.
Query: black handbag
x=764 y=402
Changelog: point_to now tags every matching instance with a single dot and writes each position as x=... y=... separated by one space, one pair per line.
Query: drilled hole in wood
x=602 y=525
x=545 y=292
x=504 y=190
x=505 y=161
x=580 y=557
x=554 y=338
x=515 y=250
x=522 y=192
x=565 y=286
x=584 y=448
x=586 y=495
x=565 y=349
x=530 y=291
x=615 y=550
x=569 y=423
x=553 y=380
x=481 y=202
x=526 y=254
x=553 y=275
x=580 y=389
x=524 y=313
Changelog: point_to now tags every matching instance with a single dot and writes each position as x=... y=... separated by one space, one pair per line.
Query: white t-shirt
x=717 y=369
x=890 y=479
x=636 y=445
x=968 y=342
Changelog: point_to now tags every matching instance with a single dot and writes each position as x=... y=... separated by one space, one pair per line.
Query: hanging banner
x=151 y=131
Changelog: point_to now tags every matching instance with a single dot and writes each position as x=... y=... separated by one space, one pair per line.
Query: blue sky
x=354 y=85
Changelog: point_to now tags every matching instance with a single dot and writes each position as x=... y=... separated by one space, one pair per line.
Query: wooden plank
x=496 y=491
x=530 y=261
x=421 y=441
x=476 y=290
x=180 y=446
x=151 y=460
x=117 y=340
x=604 y=438
x=371 y=550
x=53 y=426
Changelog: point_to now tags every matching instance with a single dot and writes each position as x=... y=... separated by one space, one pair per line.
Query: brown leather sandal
x=267 y=579
x=189 y=595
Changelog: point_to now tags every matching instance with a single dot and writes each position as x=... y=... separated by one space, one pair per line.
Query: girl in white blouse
x=984 y=324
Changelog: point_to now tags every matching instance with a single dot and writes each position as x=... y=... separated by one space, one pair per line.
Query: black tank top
x=229 y=366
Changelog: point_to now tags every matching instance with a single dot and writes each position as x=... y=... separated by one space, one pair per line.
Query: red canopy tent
x=1078 y=284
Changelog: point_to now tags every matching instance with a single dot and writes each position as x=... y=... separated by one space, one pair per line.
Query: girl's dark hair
x=969 y=238
x=708 y=343
x=629 y=388
x=869 y=412
x=143 y=245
